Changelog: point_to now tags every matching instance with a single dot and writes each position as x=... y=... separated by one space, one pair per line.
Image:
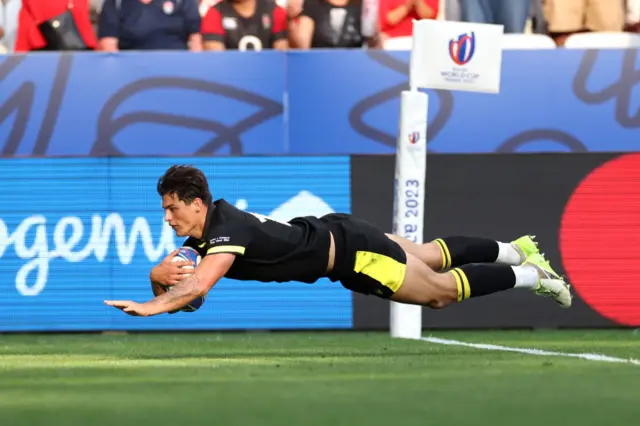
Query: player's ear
x=198 y=204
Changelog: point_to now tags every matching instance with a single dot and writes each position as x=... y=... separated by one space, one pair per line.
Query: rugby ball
x=188 y=253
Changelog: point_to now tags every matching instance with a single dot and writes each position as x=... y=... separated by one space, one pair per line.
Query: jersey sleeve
x=211 y=26
x=227 y=239
x=280 y=24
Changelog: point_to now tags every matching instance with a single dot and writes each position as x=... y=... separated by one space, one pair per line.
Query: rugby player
x=245 y=246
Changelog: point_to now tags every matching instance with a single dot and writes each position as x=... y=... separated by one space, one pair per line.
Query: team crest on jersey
x=229 y=23
x=266 y=22
x=168 y=7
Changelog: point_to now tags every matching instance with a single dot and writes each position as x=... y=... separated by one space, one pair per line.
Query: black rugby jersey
x=267 y=250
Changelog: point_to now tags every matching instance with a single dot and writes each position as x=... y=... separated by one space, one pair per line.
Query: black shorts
x=366 y=260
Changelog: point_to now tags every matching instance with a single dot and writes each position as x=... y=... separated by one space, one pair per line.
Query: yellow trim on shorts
x=387 y=271
x=446 y=255
x=464 y=289
x=226 y=249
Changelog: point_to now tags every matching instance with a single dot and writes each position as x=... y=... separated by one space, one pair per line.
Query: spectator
x=150 y=25
x=566 y=17
x=451 y=10
x=54 y=25
x=9 y=12
x=95 y=6
x=512 y=14
x=245 y=25
x=205 y=5
x=330 y=24
x=633 y=16
x=294 y=8
x=396 y=16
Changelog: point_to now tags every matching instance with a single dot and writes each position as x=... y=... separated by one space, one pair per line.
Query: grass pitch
x=309 y=379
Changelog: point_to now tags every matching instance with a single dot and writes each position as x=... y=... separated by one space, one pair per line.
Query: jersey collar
x=209 y=220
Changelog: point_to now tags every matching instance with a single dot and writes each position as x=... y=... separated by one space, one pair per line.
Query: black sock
x=457 y=251
x=480 y=280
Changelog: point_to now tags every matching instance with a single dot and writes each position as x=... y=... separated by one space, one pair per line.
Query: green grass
x=315 y=379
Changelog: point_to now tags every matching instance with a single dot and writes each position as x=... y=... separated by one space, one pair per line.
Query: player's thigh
x=427 y=253
x=423 y=286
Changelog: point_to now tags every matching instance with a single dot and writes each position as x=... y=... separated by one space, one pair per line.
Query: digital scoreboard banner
x=584 y=210
x=74 y=232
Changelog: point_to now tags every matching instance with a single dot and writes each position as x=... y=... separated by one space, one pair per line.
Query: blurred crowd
x=113 y=25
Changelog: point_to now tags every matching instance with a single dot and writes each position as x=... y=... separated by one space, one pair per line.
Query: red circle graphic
x=600 y=239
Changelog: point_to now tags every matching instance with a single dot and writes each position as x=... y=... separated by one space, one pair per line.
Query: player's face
x=182 y=217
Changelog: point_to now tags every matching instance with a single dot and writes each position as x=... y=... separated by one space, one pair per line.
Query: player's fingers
x=171 y=255
x=182 y=263
x=117 y=302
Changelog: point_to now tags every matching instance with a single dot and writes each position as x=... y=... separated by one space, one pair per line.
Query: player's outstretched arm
x=205 y=276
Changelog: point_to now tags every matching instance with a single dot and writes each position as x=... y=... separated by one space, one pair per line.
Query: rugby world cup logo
x=414 y=137
x=462 y=49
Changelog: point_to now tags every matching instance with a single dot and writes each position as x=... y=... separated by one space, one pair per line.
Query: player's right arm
x=212 y=30
x=168 y=273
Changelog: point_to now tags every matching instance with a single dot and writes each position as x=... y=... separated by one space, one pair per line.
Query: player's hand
x=171 y=273
x=132 y=308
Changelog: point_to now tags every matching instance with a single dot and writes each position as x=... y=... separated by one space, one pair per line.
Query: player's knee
x=436 y=305
x=432 y=255
x=445 y=293
x=439 y=304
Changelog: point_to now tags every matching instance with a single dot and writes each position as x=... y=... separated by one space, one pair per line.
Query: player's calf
x=422 y=286
x=454 y=251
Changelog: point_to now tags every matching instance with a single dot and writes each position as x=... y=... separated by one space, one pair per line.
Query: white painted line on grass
x=539 y=352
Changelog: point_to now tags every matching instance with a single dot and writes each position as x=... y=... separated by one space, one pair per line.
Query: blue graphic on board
x=79 y=231
x=336 y=102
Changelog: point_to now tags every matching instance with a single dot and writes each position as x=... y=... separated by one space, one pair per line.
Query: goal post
x=445 y=55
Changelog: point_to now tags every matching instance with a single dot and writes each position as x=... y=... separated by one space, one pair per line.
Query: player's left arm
x=223 y=244
x=279 y=29
x=208 y=272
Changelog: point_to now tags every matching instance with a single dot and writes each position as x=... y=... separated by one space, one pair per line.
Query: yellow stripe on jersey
x=226 y=249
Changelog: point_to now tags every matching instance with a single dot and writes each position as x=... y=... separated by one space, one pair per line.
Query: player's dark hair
x=186 y=182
